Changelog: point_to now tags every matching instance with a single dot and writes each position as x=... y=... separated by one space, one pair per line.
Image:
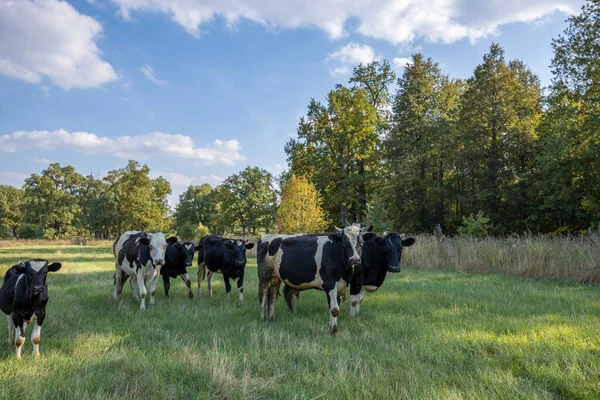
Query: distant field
x=426 y=335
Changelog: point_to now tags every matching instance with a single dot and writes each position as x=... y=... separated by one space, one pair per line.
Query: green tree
x=300 y=208
x=99 y=214
x=197 y=205
x=11 y=216
x=378 y=214
x=570 y=171
x=337 y=149
x=50 y=200
x=247 y=200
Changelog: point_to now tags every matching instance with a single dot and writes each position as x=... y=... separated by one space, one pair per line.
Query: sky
x=198 y=90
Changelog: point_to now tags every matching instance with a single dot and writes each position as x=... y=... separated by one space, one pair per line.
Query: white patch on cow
x=158 y=246
x=333 y=304
x=18 y=280
x=370 y=288
x=37 y=265
x=241 y=294
x=189 y=246
x=11 y=330
x=35 y=337
x=239 y=242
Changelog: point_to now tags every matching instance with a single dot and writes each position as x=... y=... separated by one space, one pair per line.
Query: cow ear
x=379 y=241
x=19 y=268
x=197 y=247
x=54 y=267
x=335 y=237
x=249 y=245
x=229 y=244
x=145 y=241
x=367 y=237
x=177 y=245
x=367 y=229
x=408 y=242
x=172 y=239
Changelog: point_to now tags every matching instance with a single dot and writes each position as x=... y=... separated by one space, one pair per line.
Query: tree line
x=494 y=153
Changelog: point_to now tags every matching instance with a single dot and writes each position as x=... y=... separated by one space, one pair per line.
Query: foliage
x=197 y=205
x=300 y=208
x=337 y=149
x=378 y=214
x=30 y=231
x=11 y=204
x=247 y=201
x=475 y=225
x=201 y=231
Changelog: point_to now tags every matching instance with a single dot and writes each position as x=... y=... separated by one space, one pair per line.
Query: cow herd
x=351 y=257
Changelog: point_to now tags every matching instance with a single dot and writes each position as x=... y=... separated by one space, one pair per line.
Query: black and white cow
x=323 y=262
x=227 y=256
x=380 y=255
x=178 y=257
x=140 y=255
x=23 y=298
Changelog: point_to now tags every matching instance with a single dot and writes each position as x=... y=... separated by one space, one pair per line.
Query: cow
x=380 y=255
x=140 y=255
x=322 y=262
x=228 y=256
x=23 y=298
x=178 y=257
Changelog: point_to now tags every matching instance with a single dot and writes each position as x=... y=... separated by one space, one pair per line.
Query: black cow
x=380 y=255
x=178 y=257
x=140 y=255
x=323 y=262
x=23 y=298
x=227 y=256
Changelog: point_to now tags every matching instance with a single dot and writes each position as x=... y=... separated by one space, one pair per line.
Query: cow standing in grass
x=227 y=256
x=23 y=298
x=178 y=257
x=323 y=262
x=139 y=255
x=380 y=255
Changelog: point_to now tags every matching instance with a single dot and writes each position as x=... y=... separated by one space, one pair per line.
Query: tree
x=337 y=149
x=500 y=112
x=248 y=200
x=51 y=200
x=300 y=208
x=570 y=171
x=11 y=216
x=98 y=208
x=378 y=215
x=197 y=205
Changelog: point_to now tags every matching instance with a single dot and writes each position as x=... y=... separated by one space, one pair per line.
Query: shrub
x=31 y=231
x=475 y=225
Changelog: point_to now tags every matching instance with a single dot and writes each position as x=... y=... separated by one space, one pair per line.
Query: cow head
x=156 y=246
x=238 y=248
x=187 y=248
x=392 y=244
x=34 y=276
x=351 y=239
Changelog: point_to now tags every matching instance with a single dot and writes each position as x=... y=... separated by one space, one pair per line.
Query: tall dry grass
x=541 y=257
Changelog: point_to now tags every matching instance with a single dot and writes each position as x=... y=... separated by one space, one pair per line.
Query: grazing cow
x=227 y=256
x=178 y=257
x=323 y=262
x=380 y=255
x=23 y=298
x=140 y=255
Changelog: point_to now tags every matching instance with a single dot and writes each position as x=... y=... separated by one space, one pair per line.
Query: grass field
x=426 y=335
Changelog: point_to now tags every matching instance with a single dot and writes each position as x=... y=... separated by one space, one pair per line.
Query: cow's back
x=121 y=250
x=7 y=292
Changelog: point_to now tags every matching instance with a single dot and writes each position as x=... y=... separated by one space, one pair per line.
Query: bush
x=5 y=232
x=31 y=231
x=475 y=225
x=201 y=231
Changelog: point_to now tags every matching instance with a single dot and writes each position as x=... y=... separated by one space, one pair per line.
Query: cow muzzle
x=188 y=264
x=354 y=260
x=159 y=262
x=393 y=269
x=36 y=290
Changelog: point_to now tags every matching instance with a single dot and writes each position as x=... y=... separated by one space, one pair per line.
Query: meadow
x=428 y=334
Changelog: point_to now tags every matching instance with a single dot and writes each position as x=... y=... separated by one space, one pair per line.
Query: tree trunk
x=344 y=214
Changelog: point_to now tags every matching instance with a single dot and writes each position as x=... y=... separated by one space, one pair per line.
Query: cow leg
x=35 y=337
x=209 y=282
x=290 y=297
x=330 y=287
x=188 y=283
x=273 y=292
x=263 y=296
x=11 y=330
x=240 y=286
x=20 y=327
x=201 y=272
x=134 y=288
x=118 y=283
x=166 y=283
x=361 y=296
x=355 y=290
x=142 y=286
x=153 y=283
x=227 y=287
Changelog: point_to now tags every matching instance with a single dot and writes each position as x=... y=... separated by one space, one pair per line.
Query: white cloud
x=174 y=178
x=49 y=38
x=349 y=56
x=401 y=62
x=396 y=21
x=150 y=74
x=13 y=179
x=147 y=146
x=41 y=160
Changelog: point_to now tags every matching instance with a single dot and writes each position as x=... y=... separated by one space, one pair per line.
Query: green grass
x=426 y=335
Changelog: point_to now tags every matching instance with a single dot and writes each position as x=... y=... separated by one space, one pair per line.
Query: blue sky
x=200 y=89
